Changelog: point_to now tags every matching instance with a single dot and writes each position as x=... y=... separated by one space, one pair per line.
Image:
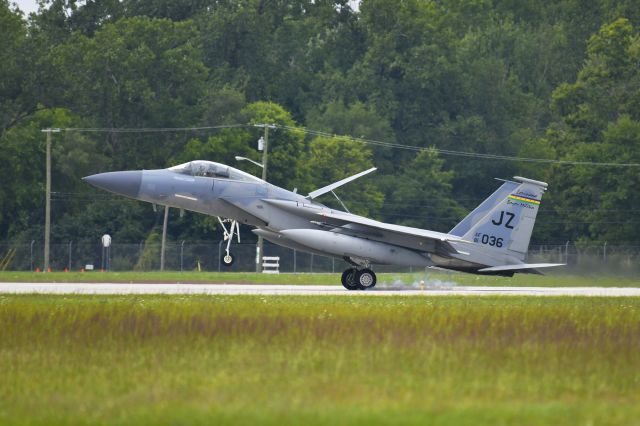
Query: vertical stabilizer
x=508 y=224
x=481 y=211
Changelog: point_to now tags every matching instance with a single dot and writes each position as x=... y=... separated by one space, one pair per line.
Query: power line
x=150 y=129
x=385 y=210
x=464 y=154
x=458 y=153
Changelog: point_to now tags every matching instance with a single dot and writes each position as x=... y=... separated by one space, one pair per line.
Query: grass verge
x=318 y=360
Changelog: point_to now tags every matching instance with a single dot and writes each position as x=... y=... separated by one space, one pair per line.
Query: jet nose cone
x=125 y=183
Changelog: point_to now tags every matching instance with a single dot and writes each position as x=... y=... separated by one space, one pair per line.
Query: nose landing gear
x=228 y=257
x=359 y=279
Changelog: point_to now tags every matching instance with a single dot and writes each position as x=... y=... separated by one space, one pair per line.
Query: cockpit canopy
x=213 y=170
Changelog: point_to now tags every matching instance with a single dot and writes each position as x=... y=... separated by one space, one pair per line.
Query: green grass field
x=319 y=360
x=322 y=279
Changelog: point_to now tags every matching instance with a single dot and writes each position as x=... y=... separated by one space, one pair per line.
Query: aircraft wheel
x=227 y=259
x=365 y=279
x=349 y=279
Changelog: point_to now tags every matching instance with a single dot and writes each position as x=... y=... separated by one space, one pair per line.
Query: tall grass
x=248 y=359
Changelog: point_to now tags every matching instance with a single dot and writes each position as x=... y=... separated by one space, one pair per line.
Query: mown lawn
x=384 y=279
x=318 y=360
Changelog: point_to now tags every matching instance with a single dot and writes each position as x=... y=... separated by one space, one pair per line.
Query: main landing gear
x=358 y=279
x=228 y=258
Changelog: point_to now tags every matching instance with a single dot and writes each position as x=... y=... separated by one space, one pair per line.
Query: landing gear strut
x=358 y=279
x=228 y=258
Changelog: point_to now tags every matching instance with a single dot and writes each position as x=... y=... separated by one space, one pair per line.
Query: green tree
x=17 y=99
x=285 y=144
x=331 y=159
x=285 y=147
x=359 y=120
x=421 y=195
x=278 y=51
x=501 y=77
x=74 y=155
x=600 y=116
x=137 y=72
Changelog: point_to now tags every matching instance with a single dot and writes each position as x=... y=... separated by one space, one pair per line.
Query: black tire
x=366 y=279
x=349 y=279
x=227 y=260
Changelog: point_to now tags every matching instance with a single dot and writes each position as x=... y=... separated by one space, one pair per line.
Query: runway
x=299 y=290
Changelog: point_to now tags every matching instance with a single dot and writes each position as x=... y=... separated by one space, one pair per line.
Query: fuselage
x=249 y=200
x=292 y=220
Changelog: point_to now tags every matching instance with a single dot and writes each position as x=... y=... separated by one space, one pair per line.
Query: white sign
x=106 y=240
x=261 y=144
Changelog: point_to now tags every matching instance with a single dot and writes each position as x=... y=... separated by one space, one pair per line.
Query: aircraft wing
x=404 y=236
x=412 y=238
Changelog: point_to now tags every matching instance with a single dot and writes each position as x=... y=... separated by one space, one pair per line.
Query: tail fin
x=505 y=220
x=483 y=209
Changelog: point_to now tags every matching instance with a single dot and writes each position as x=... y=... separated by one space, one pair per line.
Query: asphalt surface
x=270 y=289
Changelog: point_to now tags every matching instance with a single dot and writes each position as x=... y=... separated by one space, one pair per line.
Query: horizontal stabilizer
x=329 y=188
x=520 y=266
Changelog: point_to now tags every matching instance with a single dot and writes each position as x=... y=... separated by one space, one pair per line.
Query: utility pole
x=164 y=236
x=47 y=208
x=265 y=157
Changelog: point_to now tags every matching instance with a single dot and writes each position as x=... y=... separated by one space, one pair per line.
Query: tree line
x=555 y=80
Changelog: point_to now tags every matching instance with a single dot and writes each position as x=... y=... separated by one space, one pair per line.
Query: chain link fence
x=179 y=256
x=206 y=256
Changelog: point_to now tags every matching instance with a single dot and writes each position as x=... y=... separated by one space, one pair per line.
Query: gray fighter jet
x=492 y=240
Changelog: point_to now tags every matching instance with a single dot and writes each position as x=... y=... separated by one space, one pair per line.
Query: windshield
x=213 y=170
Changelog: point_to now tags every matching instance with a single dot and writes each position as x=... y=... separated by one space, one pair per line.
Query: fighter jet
x=492 y=240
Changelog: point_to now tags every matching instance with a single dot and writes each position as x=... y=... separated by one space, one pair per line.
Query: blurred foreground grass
x=318 y=360
x=430 y=278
